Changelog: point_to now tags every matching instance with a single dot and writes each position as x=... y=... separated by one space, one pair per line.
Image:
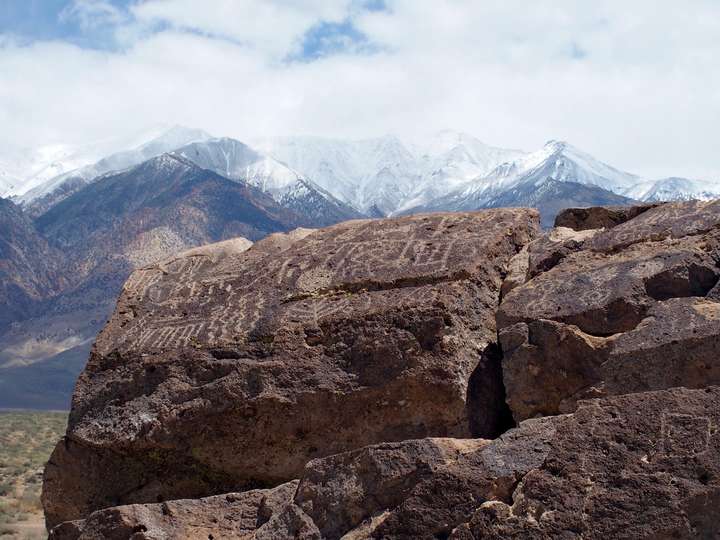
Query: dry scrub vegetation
x=26 y=441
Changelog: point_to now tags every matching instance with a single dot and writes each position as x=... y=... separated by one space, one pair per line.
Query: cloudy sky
x=635 y=83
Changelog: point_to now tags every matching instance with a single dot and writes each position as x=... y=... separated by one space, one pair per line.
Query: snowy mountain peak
x=384 y=175
x=161 y=141
x=237 y=161
x=559 y=160
x=168 y=161
x=674 y=189
x=449 y=141
x=387 y=174
x=554 y=145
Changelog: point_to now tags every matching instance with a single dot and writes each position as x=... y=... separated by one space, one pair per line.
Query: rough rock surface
x=628 y=309
x=417 y=489
x=636 y=466
x=232 y=515
x=608 y=350
x=213 y=377
x=599 y=217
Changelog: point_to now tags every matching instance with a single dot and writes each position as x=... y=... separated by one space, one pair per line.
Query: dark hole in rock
x=139 y=528
x=313 y=336
x=224 y=354
x=488 y=413
x=704 y=478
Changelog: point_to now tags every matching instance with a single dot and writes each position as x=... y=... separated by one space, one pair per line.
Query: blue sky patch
x=43 y=20
x=325 y=39
x=56 y=20
x=375 y=5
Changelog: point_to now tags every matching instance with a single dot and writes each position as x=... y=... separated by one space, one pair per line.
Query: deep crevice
x=489 y=415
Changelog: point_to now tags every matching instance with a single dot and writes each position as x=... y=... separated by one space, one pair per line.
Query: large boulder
x=417 y=489
x=231 y=372
x=231 y=515
x=637 y=466
x=607 y=312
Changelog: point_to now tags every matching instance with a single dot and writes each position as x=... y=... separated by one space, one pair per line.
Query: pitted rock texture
x=232 y=515
x=417 y=489
x=215 y=376
x=628 y=309
x=637 y=466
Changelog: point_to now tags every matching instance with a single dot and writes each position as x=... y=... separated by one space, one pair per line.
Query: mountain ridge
x=237 y=161
x=379 y=176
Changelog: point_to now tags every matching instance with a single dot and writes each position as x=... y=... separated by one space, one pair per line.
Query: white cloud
x=269 y=26
x=643 y=95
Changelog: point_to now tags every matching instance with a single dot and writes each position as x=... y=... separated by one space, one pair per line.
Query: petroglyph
x=380 y=322
x=232 y=293
x=312 y=311
x=685 y=435
x=670 y=220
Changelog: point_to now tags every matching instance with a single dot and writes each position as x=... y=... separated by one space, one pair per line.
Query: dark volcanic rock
x=232 y=515
x=638 y=466
x=214 y=377
x=624 y=310
x=417 y=489
x=599 y=217
x=360 y=359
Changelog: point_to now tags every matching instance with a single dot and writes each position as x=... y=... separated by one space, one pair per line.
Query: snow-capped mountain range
x=348 y=178
x=386 y=175
x=57 y=187
x=27 y=169
x=237 y=161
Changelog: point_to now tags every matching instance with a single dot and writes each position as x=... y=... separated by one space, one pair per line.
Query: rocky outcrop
x=232 y=515
x=637 y=466
x=214 y=376
x=615 y=311
x=390 y=410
